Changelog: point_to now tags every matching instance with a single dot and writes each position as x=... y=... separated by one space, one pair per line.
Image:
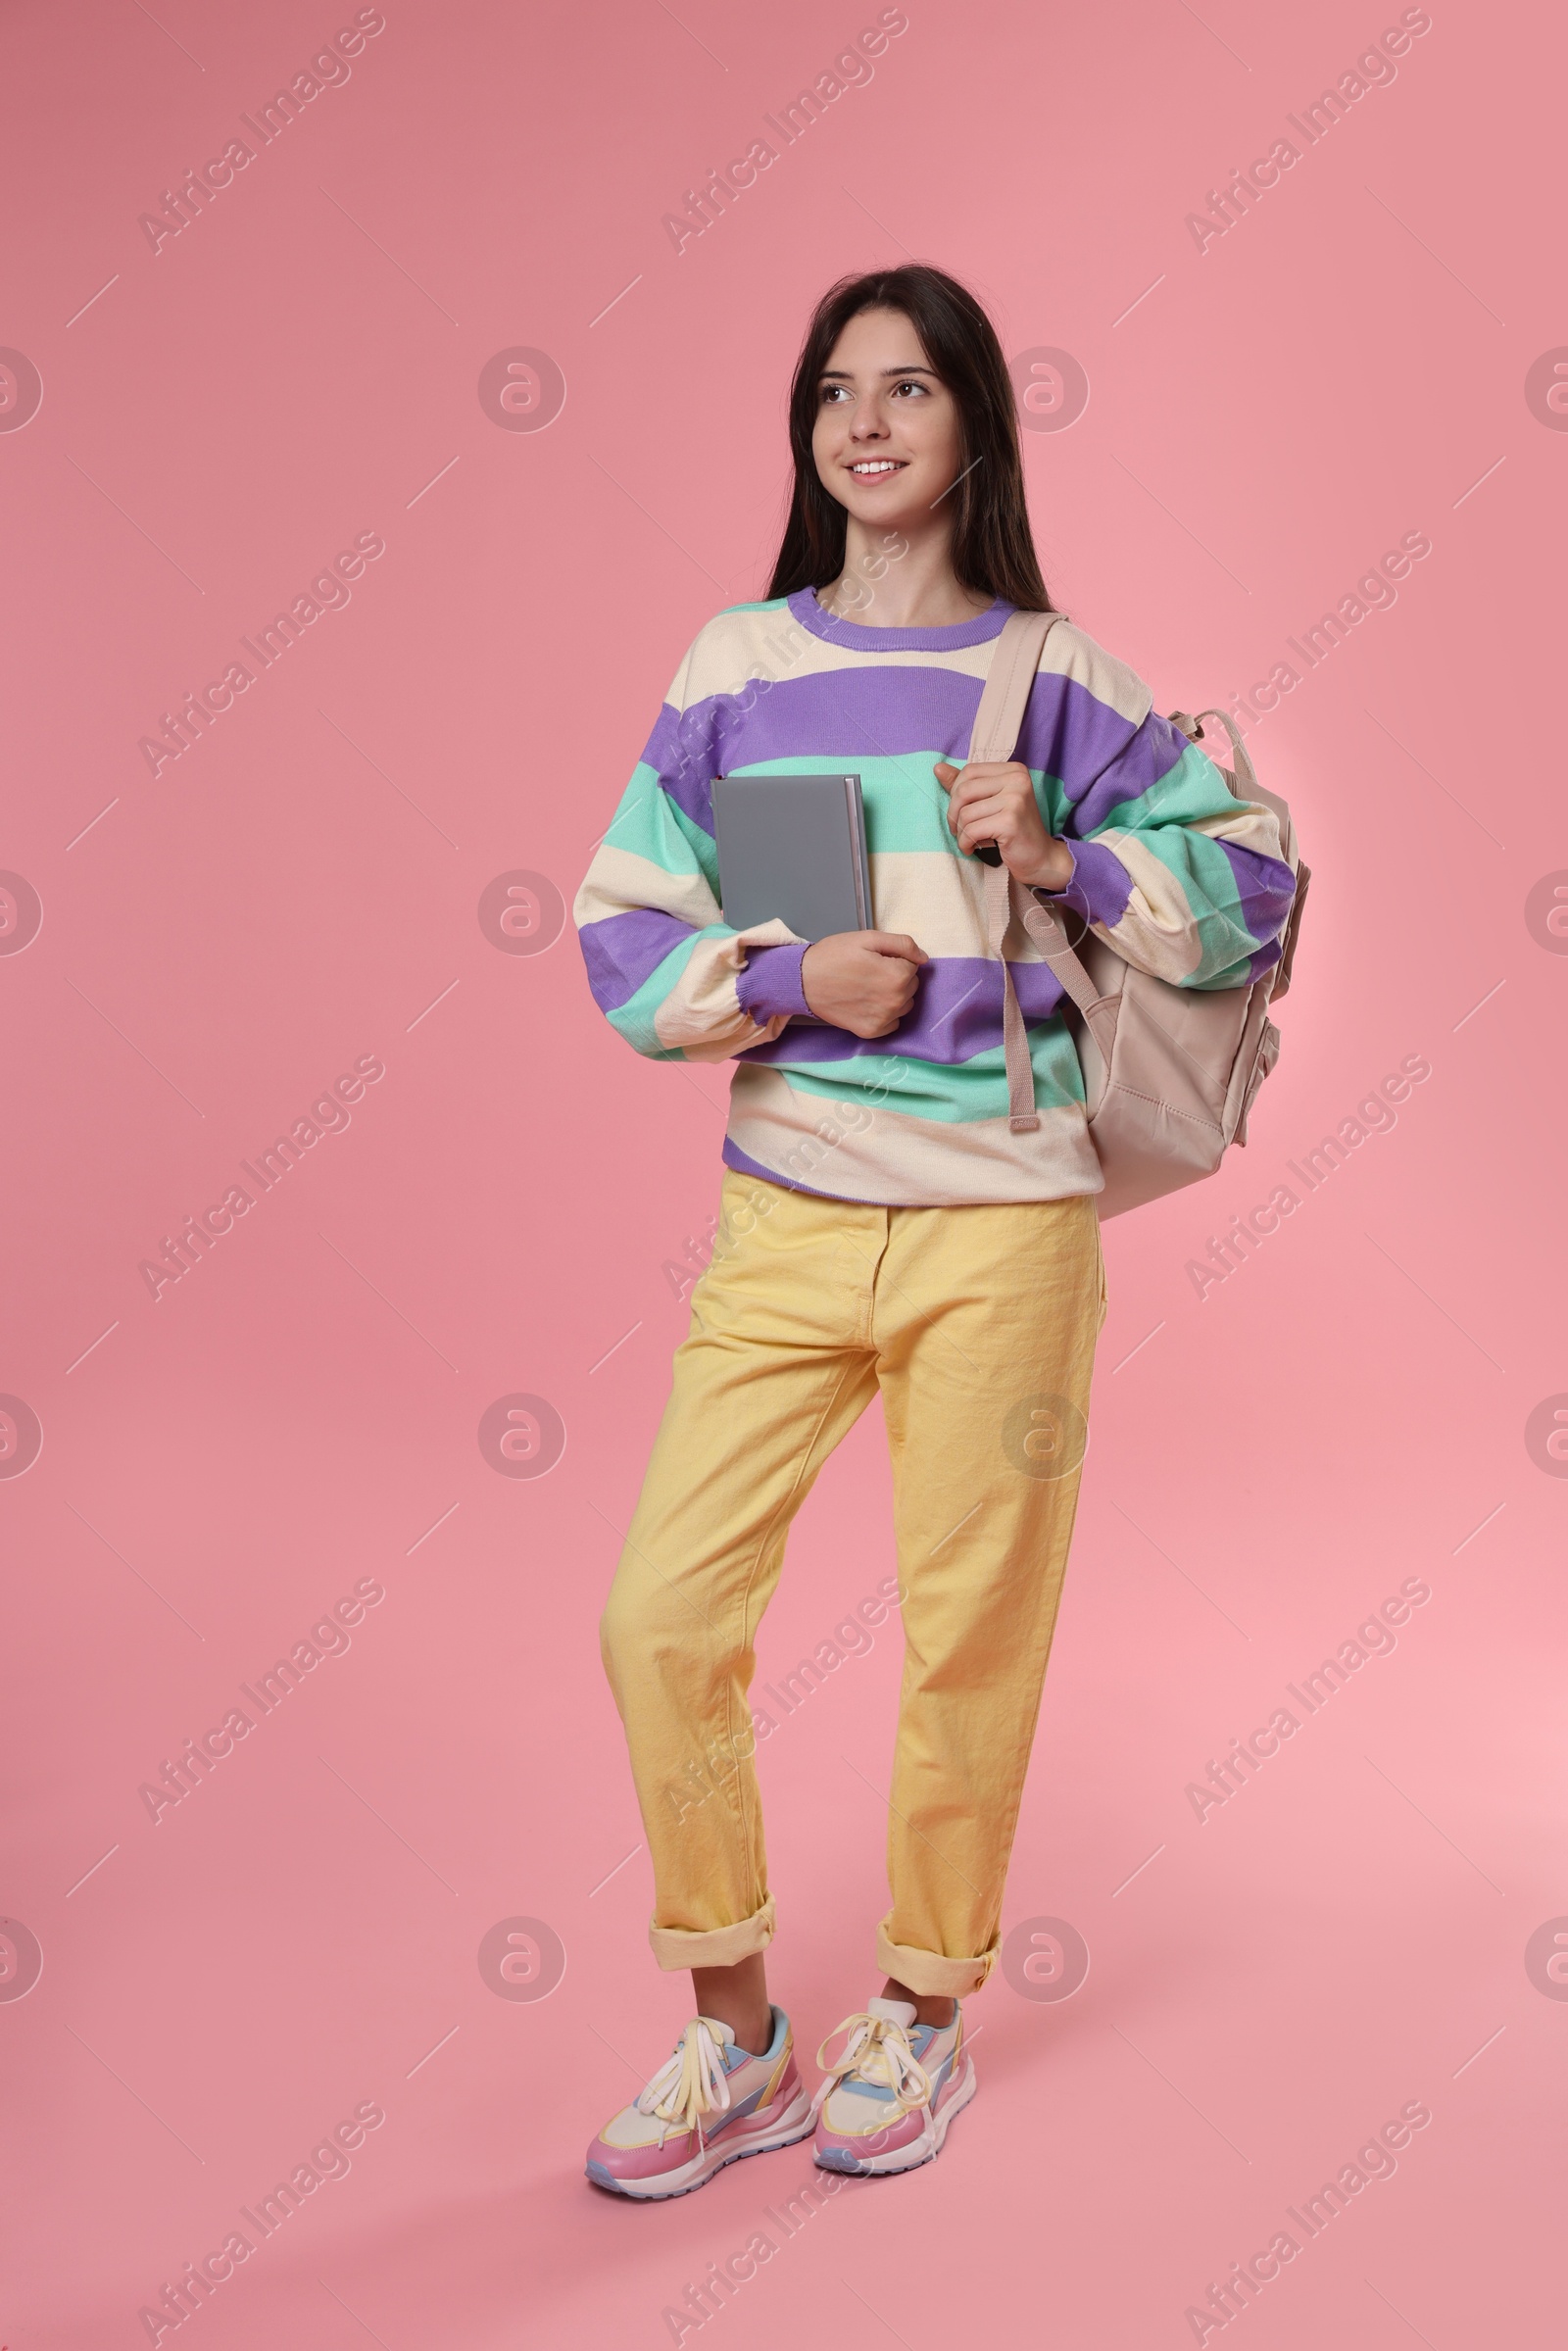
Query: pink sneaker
x=707 y=2105
x=892 y=2092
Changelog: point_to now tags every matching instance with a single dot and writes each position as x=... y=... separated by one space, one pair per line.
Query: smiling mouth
x=877 y=468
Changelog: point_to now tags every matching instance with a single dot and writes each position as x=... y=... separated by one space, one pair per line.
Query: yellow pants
x=978 y=1324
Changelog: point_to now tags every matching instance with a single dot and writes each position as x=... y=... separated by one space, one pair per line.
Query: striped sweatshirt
x=1178 y=876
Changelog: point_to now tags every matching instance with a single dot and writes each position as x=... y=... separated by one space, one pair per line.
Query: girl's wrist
x=1054 y=871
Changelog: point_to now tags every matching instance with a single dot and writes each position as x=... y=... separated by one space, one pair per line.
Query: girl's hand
x=994 y=799
x=863 y=981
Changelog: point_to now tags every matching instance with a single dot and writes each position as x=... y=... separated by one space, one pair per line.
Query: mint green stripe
x=952 y=1093
x=1192 y=789
x=905 y=807
x=649 y=824
x=1206 y=879
x=1231 y=975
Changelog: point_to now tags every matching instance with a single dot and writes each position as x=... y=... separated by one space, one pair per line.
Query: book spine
x=857 y=852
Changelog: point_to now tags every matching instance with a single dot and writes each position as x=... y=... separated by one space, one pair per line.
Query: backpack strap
x=1241 y=757
x=1005 y=698
x=997 y=726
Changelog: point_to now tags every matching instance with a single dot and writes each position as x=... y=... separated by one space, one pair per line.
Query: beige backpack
x=1169 y=1073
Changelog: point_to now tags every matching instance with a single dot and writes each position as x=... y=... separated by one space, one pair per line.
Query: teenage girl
x=885 y=1226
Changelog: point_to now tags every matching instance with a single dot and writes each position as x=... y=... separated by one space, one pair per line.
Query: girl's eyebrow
x=842 y=374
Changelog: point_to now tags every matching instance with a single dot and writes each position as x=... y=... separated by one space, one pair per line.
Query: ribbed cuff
x=1101 y=884
x=927 y=1972
x=770 y=983
x=720 y=1947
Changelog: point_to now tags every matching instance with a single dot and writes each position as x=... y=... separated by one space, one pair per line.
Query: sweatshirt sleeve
x=668 y=973
x=1183 y=879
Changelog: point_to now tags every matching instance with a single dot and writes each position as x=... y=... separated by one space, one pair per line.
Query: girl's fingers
x=978 y=812
x=981 y=800
x=981 y=770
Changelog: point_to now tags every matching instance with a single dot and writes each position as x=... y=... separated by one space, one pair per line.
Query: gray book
x=793 y=848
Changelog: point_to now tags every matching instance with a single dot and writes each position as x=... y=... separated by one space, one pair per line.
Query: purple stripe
x=1120 y=772
x=1263 y=961
x=733 y=1156
x=771 y=983
x=681 y=750
x=621 y=951
x=809 y=612
x=889 y=713
x=957 y=1013
x=1101 y=884
x=879 y=712
x=1265 y=887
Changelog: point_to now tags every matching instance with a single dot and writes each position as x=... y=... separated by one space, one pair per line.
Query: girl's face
x=886 y=438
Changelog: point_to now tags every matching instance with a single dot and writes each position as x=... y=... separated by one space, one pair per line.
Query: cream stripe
x=900 y=1161
x=701 y=1013
x=1157 y=932
x=619 y=880
x=939 y=901
x=1250 y=826
x=773 y=647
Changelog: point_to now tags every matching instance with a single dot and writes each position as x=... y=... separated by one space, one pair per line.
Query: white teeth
x=876 y=465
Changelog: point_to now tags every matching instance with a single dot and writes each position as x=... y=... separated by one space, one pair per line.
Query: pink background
x=300 y=366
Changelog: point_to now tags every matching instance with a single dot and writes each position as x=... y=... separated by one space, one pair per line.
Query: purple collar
x=857 y=638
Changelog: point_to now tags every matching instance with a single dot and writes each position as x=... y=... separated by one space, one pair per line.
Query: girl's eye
x=831 y=391
x=909 y=386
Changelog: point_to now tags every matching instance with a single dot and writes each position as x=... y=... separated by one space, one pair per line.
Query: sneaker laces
x=877 y=2050
x=691 y=2082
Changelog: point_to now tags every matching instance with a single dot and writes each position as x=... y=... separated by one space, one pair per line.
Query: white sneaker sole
x=796 y=2122
x=921 y=2150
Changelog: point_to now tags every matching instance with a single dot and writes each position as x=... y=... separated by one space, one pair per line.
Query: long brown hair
x=992 y=547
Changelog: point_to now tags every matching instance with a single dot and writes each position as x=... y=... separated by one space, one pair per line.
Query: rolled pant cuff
x=927 y=1972
x=717 y=1946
